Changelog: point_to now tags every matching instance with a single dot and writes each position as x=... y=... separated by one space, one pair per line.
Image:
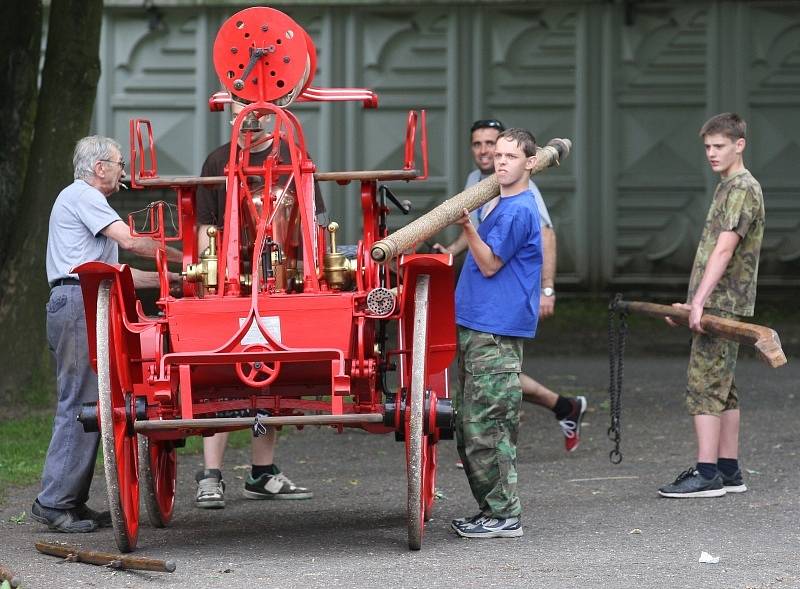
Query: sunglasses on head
x=487 y=124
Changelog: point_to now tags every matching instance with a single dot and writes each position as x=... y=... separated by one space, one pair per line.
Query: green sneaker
x=274 y=486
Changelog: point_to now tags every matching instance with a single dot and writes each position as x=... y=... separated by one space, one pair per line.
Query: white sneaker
x=210 y=490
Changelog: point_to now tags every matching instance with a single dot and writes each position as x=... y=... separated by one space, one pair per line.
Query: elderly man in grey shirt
x=83 y=228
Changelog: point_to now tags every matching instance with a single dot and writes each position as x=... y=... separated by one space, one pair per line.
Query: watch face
x=548 y=292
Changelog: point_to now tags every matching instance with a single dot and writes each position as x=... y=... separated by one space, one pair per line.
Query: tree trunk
x=20 y=41
x=64 y=109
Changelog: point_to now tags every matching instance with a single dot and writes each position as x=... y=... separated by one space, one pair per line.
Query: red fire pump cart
x=274 y=327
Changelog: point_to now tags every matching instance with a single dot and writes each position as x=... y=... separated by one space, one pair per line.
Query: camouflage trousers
x=711 y=386
x=487 y=403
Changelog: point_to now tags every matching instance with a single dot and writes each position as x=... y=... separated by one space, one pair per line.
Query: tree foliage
x=20 y=41
x=63 y=114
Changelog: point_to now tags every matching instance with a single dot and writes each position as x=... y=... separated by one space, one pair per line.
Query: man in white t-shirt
x=82 y=228
x=568 y=410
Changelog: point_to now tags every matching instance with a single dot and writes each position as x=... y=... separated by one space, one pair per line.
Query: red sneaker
x=571 y=424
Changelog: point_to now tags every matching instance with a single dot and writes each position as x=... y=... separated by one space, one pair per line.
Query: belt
x=65 y=282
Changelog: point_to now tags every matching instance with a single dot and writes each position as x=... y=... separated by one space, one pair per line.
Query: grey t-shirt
x=79 y=214
x=478 y=215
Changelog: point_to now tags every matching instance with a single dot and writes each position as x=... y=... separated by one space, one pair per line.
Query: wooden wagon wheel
x=420 y=450
x=158 y=470
x=120 y=448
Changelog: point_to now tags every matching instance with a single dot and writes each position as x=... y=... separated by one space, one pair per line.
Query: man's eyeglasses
x=487 y=124
x=120 y=163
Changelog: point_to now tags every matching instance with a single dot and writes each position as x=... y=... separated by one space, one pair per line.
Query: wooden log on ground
x=7 y=575
x=116 y=561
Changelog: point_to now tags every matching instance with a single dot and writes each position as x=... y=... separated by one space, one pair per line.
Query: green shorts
x=711 y=387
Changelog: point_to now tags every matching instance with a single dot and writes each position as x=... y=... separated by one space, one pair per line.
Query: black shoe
x=734 y=482
x=274 y=486
x=101 y=518
x=690 y=483
x=61 y=520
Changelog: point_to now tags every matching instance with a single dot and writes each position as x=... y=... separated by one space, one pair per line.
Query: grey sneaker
x=733 y=483
x=274 y=486
x=101 y=518
x=490 y=527
x=690 y=483
x=61 y=520
x=210 y=489
x=460 y=521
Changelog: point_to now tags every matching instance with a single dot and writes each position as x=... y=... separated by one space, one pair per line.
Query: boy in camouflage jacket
x=722 y=283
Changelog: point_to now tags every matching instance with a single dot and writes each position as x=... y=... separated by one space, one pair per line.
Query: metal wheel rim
x=123 y=495
x=158 y=470
x=415 y=438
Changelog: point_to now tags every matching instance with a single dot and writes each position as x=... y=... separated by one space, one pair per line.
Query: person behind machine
x=265 y=481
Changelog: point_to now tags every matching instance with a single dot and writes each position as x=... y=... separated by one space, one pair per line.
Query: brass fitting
x=205 y=271
x=339 y=270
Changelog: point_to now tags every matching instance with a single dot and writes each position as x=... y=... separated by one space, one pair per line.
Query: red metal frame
x=317 y=350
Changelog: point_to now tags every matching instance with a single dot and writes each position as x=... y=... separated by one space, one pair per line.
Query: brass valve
x=338 y=269
x=205 y=271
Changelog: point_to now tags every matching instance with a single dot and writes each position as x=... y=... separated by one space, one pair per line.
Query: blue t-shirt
x=508 y=302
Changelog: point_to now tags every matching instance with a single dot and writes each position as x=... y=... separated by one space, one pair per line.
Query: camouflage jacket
x=738 y=205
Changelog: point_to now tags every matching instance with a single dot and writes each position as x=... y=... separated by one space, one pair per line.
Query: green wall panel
x=630 y=87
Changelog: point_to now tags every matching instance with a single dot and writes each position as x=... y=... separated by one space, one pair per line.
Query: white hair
x=90 y=150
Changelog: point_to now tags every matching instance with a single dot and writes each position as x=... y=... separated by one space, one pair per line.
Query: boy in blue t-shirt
x=497 y=304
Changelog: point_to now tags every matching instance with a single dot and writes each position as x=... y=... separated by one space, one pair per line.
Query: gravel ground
x=587 y=522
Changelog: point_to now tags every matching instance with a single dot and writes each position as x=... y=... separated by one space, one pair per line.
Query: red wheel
x=257 y=374
x=420 y=447
x=120 y=449
x=429 y=462
x=158 y=470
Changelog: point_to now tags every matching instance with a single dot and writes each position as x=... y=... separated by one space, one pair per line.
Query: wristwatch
x=548 y=291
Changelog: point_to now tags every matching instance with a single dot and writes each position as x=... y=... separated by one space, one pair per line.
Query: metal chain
x=617 y=330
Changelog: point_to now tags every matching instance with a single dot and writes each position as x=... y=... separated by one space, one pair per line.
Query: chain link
x=617 y=331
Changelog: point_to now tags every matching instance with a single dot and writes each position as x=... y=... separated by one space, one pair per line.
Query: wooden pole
x=116 y=561
x=451 y=210
x=7 y=575
x=763 y=339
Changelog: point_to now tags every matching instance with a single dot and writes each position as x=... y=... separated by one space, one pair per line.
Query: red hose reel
x=262 y=54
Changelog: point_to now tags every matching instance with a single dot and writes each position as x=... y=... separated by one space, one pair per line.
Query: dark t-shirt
x=211 y=199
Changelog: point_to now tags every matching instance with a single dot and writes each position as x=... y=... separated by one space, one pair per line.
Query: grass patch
x=24 y=442
x=23 y=446
x=238 y=439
